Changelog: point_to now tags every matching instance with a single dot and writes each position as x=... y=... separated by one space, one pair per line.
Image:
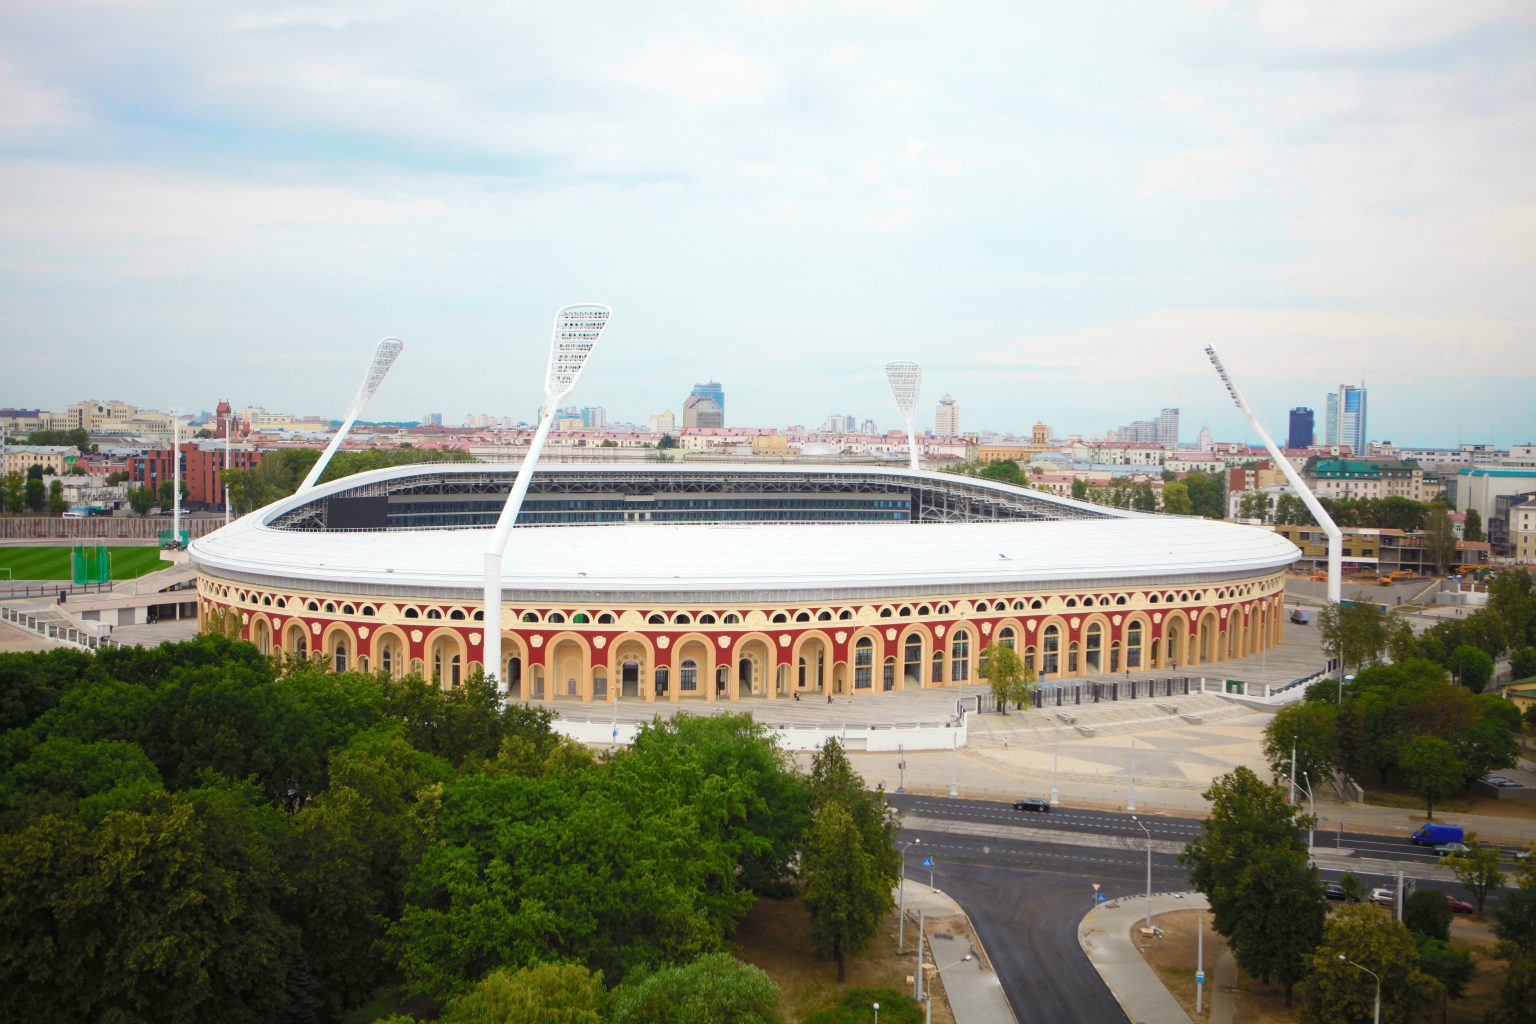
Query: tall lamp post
x=928 y=992
x=1138 y=821
x=577 y=329
x=1376 y=1012
x=384 y=355
x=901 y=924
x=175 y=478
x=906 y=380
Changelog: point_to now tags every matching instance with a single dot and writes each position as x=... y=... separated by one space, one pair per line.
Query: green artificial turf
x=52 y=563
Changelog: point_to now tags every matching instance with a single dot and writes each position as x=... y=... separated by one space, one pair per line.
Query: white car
x=1380 y=897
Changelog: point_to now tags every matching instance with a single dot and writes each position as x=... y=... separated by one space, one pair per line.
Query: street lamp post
x=576 y=333
x=877 y=1012
x=1055 y=797
x=906 y=380
x=1149 y=867
x=1376 y=1012
x=928 y=992
x=901 y=925
x=1130 y=804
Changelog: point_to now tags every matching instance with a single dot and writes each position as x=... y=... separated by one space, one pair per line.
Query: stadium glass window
x=1008 y=638
x=824 y=616
x=478 y=616
x=885 y=613
x=661 y=679
x=656 y=619
x=1152 y=599
x=412 y=613
x=1133 y=645
x=706 y=619
x=368 y=610
x=457 y=614
x=864 y=664
x=1120 y=599
x=605 y=618
x=339 y=655
x=688 y=676
x=681 y=618
x=905 y=611
x=924 y=610
x=803 y=617
x=347 y=609
x=313 y=606
x=580 y=618
x=1071 y=602
x=530 y=616
x=434 y=613
x=330 y=607
x=943 y=609
x=889 y=682
x=731 y=618
x=960 y=656
x=937 y=661
x=845 y=614
x=1050 y=643
x=554 y=617
x=1072 y=652
x=912 y=660
x=1093 y=647
x=778 y=617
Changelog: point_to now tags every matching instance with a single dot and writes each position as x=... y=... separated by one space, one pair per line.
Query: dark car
x=1033 y=803
x=1336 y=892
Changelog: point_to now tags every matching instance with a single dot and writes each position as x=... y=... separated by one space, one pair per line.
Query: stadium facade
x=680 y=583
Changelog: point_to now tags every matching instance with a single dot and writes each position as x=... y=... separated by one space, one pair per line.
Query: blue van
x=1436 y=835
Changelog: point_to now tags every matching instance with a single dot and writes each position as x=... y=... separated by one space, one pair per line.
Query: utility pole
x=1130 y=804
x=1199 y=962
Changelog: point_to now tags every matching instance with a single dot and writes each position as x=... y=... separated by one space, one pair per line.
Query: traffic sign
x=1199 y=977
x=1095 y=886
x=927 y=862
x=1100 y=897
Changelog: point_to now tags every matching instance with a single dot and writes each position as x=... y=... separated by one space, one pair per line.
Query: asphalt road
x=1026 y=898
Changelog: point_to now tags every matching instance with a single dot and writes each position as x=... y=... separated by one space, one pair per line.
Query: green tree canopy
x=1477 y=870
x=541 y=994
x=716 y=987
x=1176 y=499
x=1426 y=913
x=1012 y=681
x=1338 y=992
x=1430 y=769
x=1311 y=729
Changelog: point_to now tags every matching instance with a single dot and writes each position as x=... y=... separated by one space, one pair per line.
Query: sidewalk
x=1106 y=935
x=974 y=993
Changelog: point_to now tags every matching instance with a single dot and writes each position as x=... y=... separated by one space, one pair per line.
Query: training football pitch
x=30 y=563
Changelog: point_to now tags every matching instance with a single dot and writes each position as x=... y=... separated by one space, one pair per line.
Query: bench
x=1172 y=709
x=1086 y=730
x=1069 y=719
x=1193 y=719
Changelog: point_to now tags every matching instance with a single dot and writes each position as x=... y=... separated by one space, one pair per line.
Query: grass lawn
x=53 y=563
x=1173 y=958
x=776 y=936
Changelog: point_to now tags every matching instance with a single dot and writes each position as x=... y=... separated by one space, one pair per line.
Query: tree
x=1472 y=527
x=36 y=494
x=1354 y=888
x=141 y=500
x=1176 y=500
x=541 y=994
x=1012 y=681
x=717 y=987
x=1453 y=968
x=844 y=890
x=1338 y=992
x=1292 y=511
x=1250 y=860
x=1515 y=925
x=1004 y=471
x=1253 y=505
x=1356 y=633
x=1440 y=538
x=1477 y=869
x=56 y=505
x=1470 y=667
x=1426 y=913
x=1430 y=769
x=12 y=492
x=666 y=441
x=1207 y=494
x=1310 y=728
x=1522 y=664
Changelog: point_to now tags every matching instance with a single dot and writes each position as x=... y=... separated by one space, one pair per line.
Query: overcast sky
x=1052 y=207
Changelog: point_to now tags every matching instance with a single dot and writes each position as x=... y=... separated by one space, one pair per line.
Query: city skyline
x=1053 y=217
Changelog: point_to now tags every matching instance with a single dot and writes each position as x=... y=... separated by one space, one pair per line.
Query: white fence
x=61 y=633
x=876 y=738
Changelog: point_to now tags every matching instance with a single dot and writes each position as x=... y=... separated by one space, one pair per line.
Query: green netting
x=89 y=563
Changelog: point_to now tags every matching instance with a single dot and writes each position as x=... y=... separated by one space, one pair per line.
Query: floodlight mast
x=578 y=328
x=384 y=355
x=1335 y=536
x=906 y=380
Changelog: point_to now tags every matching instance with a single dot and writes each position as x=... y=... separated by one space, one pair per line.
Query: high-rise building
x=946 y=418
x=1168 y=428
x=712 y=390
x=1204 y=440
x=702 y=411
x=594 y=416
x=663 y=423
x=1346 y=418
x=1303 y=428
x=432 y=419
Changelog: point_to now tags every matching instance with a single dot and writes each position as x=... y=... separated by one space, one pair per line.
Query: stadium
x=684 y=583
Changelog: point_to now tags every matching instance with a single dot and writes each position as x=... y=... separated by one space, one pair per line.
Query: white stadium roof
x=758 y=562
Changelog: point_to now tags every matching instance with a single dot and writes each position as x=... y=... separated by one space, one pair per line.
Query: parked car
x=1521 y=855
x=1380 y=897
x=1336 y=893
x=1458 y=906
x=1033 y=803
x=1452 y=849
